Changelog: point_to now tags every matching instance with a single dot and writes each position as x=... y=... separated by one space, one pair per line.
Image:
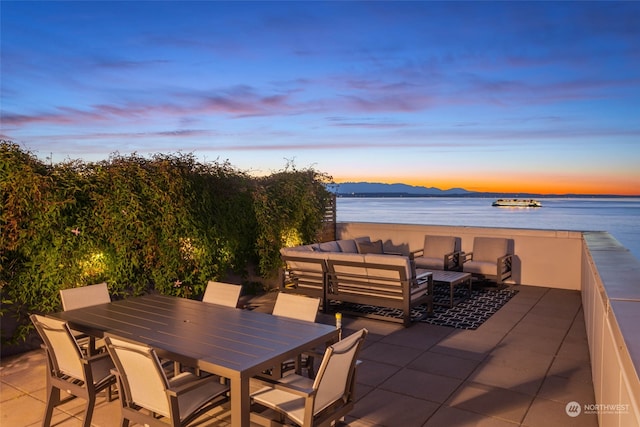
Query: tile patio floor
x=520 y=368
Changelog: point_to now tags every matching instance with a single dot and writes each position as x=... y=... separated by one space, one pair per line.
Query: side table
x=451 y=278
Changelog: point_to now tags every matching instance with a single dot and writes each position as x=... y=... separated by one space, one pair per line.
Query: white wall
x=548 y=258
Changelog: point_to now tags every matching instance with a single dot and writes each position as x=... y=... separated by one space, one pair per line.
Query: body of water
x=619 y=216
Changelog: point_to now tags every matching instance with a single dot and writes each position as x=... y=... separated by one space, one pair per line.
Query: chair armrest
x=300 y=391
x=96 y=356
x=422 y=276
x=193 y=384
x=264 y=381
x=452 y=260
x=504 y=263
x=417 y=252
x=466 y=256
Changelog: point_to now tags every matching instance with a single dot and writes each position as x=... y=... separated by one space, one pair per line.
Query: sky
x=509 y=97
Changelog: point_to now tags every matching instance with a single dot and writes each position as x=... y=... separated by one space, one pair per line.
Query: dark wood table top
x=236 y=344
x=222 y=340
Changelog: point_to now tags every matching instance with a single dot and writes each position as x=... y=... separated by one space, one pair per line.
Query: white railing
x=611 y=304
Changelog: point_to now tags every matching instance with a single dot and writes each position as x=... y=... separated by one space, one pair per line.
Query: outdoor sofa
x=357 y=271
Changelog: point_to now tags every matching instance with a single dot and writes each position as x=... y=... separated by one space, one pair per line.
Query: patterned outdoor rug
x=468 y=314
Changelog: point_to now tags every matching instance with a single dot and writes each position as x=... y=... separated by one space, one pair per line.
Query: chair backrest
x=226 y=294
x=84 y=296
x=439 y=246
x=489 y=249
x=141 y=375
x=296 y=307
x=63 y=350
x=334 y=379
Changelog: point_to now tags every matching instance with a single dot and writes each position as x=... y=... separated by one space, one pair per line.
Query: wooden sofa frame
x=389 y=287
x=306 y=276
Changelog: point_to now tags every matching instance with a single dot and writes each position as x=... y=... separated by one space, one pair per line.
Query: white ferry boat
x=517 y=203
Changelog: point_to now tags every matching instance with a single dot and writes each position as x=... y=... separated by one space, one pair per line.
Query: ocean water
x=619 y=216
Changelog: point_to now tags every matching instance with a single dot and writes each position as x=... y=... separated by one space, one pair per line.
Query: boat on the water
x=517 y=203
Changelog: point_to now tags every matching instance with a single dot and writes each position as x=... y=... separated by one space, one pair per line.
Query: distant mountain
x=376 y=189
x=392 y=190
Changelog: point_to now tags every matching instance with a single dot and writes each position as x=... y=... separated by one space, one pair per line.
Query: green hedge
x=167 y=224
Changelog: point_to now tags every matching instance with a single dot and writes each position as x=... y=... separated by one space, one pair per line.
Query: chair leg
x=88 y=413
x=53 y=399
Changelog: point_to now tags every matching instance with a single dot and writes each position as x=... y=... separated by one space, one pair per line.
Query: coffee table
x=451 y=278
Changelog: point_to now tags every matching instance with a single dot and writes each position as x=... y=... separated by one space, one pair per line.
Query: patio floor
x=520 y=368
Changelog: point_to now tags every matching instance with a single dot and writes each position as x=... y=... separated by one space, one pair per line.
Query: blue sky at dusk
x=505 y=96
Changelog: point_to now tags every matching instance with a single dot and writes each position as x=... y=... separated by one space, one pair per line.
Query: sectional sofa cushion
x=297 y=250
x=401 y=261
x=370 y=247
x=327 y=247
x=350 y=245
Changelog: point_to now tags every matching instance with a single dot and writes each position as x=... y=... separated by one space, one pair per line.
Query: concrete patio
x=520 y=368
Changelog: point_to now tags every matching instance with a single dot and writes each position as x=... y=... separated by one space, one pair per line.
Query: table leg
x=451 y=286
x=240 y=402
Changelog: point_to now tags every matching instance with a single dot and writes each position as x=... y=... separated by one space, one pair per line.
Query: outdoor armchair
x=322 y=401
x=147 y=393
x=489 y=259
x=438 y=253
x=69 y=369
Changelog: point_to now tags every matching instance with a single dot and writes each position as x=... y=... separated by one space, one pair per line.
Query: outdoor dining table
x=233 y=343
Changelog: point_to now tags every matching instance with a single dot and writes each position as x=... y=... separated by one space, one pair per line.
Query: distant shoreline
x=399 y=190
x=486 y=195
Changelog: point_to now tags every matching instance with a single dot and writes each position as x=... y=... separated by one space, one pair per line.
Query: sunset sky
x=506 y=96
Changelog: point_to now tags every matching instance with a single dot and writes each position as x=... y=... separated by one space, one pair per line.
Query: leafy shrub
x=164 y=224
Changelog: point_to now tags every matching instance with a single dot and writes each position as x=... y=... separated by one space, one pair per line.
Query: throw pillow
x=370 y=247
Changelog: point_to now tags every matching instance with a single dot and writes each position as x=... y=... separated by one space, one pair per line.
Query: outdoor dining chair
x=147 y=393
x=85 y=296
x=69 y=369
x=321 y=401
x=227 y=294
x=297 y=307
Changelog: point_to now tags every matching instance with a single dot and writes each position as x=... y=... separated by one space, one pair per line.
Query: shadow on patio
x=520 y=368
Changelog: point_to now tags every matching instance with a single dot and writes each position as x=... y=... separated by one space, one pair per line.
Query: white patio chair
x=85 y=296
x=70 y=370
x=322 y=401
x=226 y=294
x=147 y=393
x=438 y=253
x=489 y=259
x=297 y=307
